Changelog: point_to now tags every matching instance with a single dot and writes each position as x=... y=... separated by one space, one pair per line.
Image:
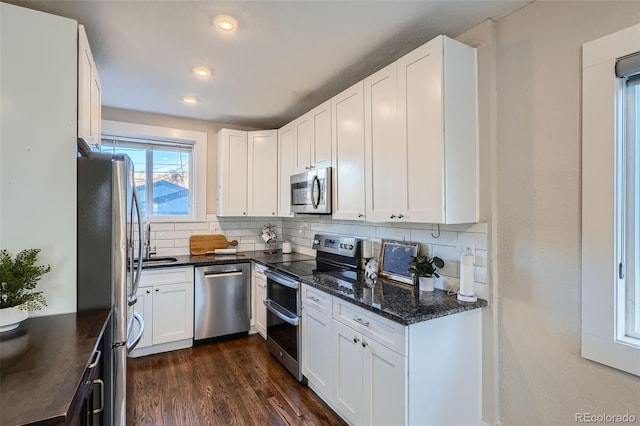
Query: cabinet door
x=144 y=307
x=347 y=153
x=232 y=173
x=96 y=108
x=286 y=151
x=262 y=191
x=316 y=338
x=384 y=385
x=89 y=94
x=321 y=140
x=420 y=112
x=172 y=312
x=303 y=134
x=347 y=346
x=384 y=150
x=259 y=310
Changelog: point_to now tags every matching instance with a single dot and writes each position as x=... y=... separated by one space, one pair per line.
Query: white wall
x=542 y=377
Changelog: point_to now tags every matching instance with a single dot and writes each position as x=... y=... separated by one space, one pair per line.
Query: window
x=162 y=175
x=169 y=167
x=611 y=200
x=628 y=191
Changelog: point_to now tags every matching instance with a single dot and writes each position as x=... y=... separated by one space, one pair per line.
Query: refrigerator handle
x=133 y=298
x=131 y=345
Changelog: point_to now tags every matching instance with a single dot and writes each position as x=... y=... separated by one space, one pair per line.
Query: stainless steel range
x=333 y=255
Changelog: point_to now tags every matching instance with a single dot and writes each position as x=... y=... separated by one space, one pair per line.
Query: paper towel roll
x=367 y=249
x=466 y=277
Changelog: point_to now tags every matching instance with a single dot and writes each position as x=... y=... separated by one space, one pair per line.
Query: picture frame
x=395 y=258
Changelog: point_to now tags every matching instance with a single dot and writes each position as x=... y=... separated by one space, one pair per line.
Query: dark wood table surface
x=42 y=363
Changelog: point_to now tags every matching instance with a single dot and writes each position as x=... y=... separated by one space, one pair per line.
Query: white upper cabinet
x=421 y=136
x=313 y=139
x=437 y=115
x=286 y=151
x=347 y=153
x=262 y=192
x=384 y=151
x=89 y=94
x=321 y=137
x=303 y=133
x=232 y=172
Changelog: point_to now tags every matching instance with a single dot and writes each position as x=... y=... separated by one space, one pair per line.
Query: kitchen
x=529 y=202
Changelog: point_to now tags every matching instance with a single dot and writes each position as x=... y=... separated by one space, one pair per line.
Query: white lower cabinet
x=165 y=302
x=259 y=293
x=385 y=373
x=317 y=362
x=371 y=379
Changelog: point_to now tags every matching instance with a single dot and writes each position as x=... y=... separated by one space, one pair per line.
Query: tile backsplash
x=173 y=239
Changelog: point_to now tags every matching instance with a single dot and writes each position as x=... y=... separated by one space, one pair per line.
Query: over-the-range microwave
x=311 y=192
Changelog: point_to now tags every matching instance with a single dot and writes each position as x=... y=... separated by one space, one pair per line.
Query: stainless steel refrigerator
x=109 y=239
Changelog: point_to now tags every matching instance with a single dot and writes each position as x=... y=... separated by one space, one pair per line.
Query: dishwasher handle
x=220 y=274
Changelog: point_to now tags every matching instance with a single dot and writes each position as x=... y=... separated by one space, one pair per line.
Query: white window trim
x=600 y=334
x=142 y=131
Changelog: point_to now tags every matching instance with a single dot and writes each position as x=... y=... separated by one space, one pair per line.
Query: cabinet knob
x=356 y=340
x=365 y=344
x=157 y=289
x=393 y=216
x=360 y=215
x=148 y=291
x=400 y=216
x=306 y=167
x=244 y=213
x=273 y=213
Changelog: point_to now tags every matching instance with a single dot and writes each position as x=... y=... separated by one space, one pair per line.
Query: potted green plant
x=423 y=267
x=17 y=277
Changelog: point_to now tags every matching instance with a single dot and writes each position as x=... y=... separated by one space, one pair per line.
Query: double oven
x=284 y=338
x=338 y=256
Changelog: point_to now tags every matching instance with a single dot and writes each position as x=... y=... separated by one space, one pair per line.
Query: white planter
x=426 y=283
x=11 y=318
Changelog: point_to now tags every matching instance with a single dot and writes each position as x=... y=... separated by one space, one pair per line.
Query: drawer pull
x=361 y=321
x=101 y=383
x=96 y=359
x=315 y=299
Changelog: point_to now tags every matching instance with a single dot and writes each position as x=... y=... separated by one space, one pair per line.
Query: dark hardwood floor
x=233 y=382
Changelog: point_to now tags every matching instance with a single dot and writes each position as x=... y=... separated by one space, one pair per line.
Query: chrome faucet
x=146 y=250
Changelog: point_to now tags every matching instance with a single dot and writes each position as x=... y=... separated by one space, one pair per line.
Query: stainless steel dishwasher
x=222 y=300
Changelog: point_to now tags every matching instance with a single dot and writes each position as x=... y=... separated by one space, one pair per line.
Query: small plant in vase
x=423 y=267
x=17 y=277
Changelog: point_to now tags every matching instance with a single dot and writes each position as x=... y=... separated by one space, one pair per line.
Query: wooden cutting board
x=203 y=244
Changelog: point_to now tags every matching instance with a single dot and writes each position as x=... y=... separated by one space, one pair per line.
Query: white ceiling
x=285 y=58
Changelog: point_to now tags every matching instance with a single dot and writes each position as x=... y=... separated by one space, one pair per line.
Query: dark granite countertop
x=399 y=302
x=222 y=259
x=42 y=363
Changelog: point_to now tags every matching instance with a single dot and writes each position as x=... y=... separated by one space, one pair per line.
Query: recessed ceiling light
x=225 y=23
x=202 y=71
x=189 y=100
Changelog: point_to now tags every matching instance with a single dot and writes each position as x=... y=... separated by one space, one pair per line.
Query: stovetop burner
x=310 y=267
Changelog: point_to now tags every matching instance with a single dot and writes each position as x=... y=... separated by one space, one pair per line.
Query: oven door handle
x=282 y=279
x=280 y=312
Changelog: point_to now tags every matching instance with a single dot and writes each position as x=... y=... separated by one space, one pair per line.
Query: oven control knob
x=350 y=246
x=316 y=242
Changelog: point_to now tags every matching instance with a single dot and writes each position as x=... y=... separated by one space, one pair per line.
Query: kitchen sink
x=158 y=260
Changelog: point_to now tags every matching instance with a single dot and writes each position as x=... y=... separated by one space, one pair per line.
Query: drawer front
x=162 y=276
x=384 y=331
x=316 y=299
